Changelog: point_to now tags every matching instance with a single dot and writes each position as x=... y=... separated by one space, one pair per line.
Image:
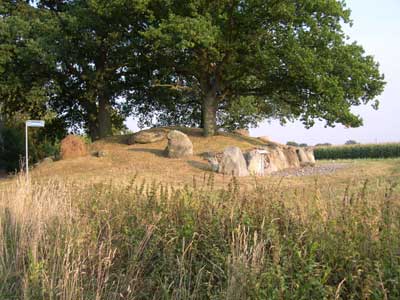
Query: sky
x=376 y=26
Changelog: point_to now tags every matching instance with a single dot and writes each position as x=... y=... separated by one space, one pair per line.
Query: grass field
x=389 y=150
x=134 y=225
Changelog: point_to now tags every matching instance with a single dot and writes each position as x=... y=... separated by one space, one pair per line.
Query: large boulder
x=292 y=159
x=233 y=162
x=255 y=163
x=73 y=146
x=280 y=158
x=275 y=160
x=179 y=145
x=148 y=136
x=306 y=156
x=310 y=154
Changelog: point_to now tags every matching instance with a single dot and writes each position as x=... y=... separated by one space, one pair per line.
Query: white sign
x=35 y=123
x=30 y=123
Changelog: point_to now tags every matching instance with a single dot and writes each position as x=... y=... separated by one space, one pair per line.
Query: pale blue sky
x=377 y=28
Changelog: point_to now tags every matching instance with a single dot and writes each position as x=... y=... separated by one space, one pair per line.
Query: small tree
x=351 y=142
x=291 y=143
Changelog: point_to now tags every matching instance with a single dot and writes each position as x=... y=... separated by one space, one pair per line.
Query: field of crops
x=358 y=151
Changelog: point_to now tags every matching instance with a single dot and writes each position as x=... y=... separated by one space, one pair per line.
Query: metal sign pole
x=26 y=152
x=30 y=123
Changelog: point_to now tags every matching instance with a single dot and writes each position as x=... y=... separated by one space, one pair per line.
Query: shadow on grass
x=157 y=152
x=241 y=138
x=118 y=139
x=199 y=165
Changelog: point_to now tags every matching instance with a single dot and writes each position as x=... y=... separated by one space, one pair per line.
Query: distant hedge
x=358 y=151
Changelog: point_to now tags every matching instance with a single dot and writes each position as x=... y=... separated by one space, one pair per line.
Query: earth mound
x=73 y=146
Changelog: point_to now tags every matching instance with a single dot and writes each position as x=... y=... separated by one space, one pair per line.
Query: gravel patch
x=309 y=171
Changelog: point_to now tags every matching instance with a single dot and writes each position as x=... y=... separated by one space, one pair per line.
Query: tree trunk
x=104 y=117
x=93 y=130
x=209 y=115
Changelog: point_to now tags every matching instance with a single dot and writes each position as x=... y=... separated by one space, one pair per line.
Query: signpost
x=30 y=123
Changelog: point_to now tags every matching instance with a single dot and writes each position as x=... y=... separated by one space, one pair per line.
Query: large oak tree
x=97 y=46
x=248 y=60
x=72 y=61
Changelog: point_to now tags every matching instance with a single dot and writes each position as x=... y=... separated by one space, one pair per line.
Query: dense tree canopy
x=75 y=59
x=230 y=63
x=255 y=59
x=97 y=49
x=25 y=63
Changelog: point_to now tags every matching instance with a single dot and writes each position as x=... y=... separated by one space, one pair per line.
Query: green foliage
x=73 y=61
x=12 y=147
x=358 y=151
x=290 y=58
x=351 y=142
x=25 y=63
x=291 y=143
x=89 y=64
x=323 y=145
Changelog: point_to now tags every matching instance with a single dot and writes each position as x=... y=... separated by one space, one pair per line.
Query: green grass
x=358 y=151
x=153 y=241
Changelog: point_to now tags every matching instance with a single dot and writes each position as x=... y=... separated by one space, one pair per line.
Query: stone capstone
x=148 y=136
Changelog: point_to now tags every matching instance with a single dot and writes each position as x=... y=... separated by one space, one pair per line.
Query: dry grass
x=64 y=240
x=124 y=162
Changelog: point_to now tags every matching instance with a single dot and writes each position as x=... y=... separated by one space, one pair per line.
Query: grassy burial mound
x=144 y=153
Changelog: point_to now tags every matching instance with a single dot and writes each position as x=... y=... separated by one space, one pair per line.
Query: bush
x=351 y=142
x=294 y=144
x=12 y=148
x=291 y=143
x=358 y=151
x=323 y=145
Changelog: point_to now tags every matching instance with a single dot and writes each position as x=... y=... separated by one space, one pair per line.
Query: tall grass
x=152 y=241
x=358 y=151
